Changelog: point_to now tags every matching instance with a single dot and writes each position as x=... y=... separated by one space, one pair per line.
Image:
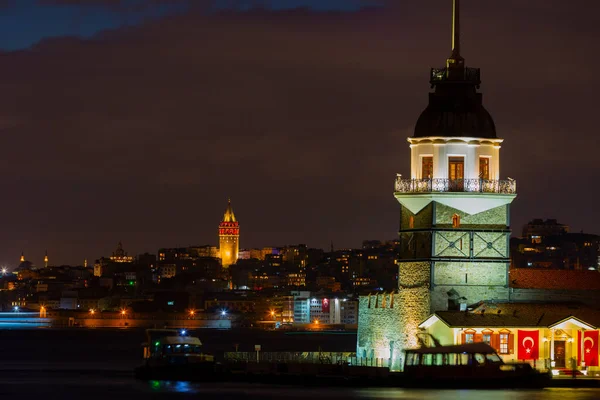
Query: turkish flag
x=528 y=345
x=590 y=348
x=325 y=306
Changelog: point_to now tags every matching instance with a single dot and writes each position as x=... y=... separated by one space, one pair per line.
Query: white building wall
x=443 y=148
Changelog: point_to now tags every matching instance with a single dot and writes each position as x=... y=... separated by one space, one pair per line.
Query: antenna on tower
x=455 y=60
x=456 y=28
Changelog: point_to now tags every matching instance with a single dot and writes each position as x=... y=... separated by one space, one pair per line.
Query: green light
x=157 y=343
x=131 y=283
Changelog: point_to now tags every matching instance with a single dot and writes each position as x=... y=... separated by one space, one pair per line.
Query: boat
x=467 y=366
x=172 y=355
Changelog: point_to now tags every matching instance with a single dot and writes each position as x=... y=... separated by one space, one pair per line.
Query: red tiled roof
x=530 y=278
x=519 y=315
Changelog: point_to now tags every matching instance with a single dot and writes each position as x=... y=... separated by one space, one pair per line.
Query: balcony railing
x=472 y=75
x=434 y=185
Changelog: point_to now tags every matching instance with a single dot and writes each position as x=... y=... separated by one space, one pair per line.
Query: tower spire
x=455 y=60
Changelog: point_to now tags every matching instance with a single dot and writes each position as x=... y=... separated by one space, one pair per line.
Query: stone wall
x=422 y=220
x=470 y=273
x=458 y=243
x=452 y=243
x=414 y=274
x=495 y=218
x=388 y=324
x=475 y=281
x=415 y=245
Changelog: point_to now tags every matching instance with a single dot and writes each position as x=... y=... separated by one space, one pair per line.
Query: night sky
x=136 y=120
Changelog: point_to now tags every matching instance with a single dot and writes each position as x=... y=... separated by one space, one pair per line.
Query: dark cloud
x=141 y=134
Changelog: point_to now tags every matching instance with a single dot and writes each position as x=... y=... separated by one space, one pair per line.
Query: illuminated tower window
x=484 y=167
x=427 y=167
x=456 y=221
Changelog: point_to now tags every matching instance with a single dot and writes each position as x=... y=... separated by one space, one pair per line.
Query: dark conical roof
x=455 y=107
x=455 y=114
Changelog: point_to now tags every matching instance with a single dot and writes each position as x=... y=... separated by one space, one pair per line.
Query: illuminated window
x=504 y=343
x=411 y=222
x=456 y=168
x=487 y=338
x=469 y=337
x=426 y=167
x=484 y=167
x=456 y=221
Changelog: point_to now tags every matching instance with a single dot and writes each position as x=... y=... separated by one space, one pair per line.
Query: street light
x=92 y=311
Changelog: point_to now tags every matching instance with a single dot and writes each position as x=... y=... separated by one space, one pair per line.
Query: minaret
x=46 y=259
x=229 y=238
x=22 y=259
x=454 y=213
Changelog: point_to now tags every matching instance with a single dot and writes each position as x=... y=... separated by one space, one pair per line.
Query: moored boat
x=171 y=355
x=466 y=366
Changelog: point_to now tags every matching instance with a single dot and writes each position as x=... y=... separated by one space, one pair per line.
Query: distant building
x=537 y=229
x=296 y=279
x=548 y=244
x=229 y=238
x=120 y=256
x=323 y=310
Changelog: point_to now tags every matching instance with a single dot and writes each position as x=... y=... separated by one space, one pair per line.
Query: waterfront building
x=454 y=217
x=549 y=336
x=317 y=309
x=229 y=238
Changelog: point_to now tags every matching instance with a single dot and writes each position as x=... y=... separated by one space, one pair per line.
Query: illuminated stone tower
x=22 y=259
x=454 y=217
x=229 y=238
x=46 y=259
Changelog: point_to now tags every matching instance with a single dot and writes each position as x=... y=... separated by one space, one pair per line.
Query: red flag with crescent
x=590 y=348
x=325 y=306
x=528 y=345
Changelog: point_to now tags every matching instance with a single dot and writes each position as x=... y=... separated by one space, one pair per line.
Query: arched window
x=456 y=221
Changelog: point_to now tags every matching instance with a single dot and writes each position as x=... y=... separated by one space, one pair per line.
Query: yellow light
x=192 y=312
x=316 y=322
x=123 y=312
x=92 y=311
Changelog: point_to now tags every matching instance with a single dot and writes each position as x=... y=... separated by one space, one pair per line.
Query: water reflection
x=174 y=387
x=212 y=390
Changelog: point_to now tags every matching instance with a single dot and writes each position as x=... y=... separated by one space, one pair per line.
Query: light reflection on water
x=25 y=385
x=296 y=392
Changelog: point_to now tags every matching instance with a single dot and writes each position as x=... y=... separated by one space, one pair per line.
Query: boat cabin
x=171 y=347
x=458 y=361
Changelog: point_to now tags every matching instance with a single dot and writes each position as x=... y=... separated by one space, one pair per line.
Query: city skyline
x=140 y=134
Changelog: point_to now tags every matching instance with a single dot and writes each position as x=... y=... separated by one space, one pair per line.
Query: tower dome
x=455 y=108
x=455 y=115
